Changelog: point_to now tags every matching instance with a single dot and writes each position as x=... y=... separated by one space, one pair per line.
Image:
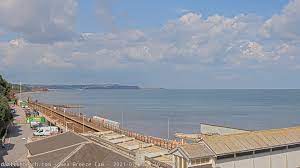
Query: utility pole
x=82 y=119
x=122 y=119
x=67 y=126
x=82 y=123
x=168 y=128
x=20 y=90
x=65 y=119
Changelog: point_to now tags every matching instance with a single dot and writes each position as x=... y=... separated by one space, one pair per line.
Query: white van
x=34 y=124
x=46 y=131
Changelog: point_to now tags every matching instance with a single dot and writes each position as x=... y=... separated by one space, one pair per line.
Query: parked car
x=37 y=126
x=46 y=131
x=13 y=111
x=28 y=114
x=35 y=113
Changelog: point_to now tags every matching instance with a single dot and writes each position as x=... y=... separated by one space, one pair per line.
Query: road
x=15 y=152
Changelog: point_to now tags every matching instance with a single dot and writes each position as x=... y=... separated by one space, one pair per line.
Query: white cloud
x=20 y=54
x=183 y=11
x=189 y=18
x=18 y=43
x=54 y=61
x=189 y=42
x=39 y=21
x=210 y=41
x=284 y=25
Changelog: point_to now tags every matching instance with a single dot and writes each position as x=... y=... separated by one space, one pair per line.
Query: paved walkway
x=15 y=152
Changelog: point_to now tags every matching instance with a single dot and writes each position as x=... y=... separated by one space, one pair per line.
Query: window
x=194 y=162
x=225 y=157
x=205 y=160
x=200 y=161
x=244 y=154
x=262 y=151
x=279 y=148
x=294 y=146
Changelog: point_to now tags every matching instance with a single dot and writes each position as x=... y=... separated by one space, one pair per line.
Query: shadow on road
x=13 y=131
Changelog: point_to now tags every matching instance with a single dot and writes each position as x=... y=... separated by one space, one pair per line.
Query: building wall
x=179 y=160
x=262 y=160
x=244 y=162
x=278 y=159
x=225 y=163
x=293 y=156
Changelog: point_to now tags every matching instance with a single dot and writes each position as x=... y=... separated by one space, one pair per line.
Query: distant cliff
x=27 y=88
x=113 y=86
x=89 y=86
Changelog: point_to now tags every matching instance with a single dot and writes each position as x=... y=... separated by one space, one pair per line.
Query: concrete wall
x=224 y=163
x=262 y=160
x=278 y=159
x=213 y=129
x=293 y=156
x=244 y=162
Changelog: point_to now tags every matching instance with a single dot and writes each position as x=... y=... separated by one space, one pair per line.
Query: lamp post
x=122 y=119
x=168 y=128
x=65 y=119
x=20 y=91
x=67 y=126
x=82 y=123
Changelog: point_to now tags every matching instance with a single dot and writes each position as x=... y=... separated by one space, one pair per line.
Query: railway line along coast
x=155 y=150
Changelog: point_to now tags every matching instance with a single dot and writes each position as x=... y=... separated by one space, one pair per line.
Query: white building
x=277 y=148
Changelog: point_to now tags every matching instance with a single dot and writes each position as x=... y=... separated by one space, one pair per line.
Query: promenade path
x=15 y=152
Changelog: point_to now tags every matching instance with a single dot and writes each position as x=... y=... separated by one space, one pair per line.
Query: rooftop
x=54 y=143
x=54 y=152
x=249 y=141
x=195 y=150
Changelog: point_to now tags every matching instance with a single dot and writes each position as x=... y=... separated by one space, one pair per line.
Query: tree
x=4 y=98
x=4 y=109
x=4 y=87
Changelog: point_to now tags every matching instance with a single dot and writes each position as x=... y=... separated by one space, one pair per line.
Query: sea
x=164 y=112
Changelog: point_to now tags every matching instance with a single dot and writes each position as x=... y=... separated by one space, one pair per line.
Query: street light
x=83 y=123
x=65 y=118
x=168 y=128
x=20 y=91
x=82 y=119
x=122 y=120
x=67 y=126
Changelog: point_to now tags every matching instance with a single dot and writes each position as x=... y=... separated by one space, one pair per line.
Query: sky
x=190 y=44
